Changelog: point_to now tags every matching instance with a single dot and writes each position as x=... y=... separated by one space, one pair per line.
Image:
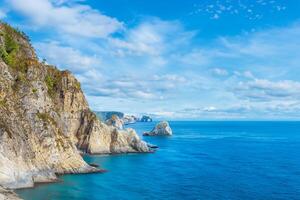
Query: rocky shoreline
x=46 y=122
x=8 y=194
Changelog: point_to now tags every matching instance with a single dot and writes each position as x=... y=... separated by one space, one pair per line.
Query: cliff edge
x=45 y=120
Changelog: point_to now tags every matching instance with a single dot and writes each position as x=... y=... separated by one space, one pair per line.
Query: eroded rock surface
x=115 y=121
x=96 y=137
x=160 y=129
x=8 y=195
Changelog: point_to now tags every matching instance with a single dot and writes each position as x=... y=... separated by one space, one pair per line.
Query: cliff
x=7 y=195
x=45 y=120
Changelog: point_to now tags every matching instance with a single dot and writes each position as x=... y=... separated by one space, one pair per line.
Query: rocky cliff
x=7 y=194
x=45 y=120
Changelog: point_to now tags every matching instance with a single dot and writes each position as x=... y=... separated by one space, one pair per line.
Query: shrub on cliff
x=10 y=48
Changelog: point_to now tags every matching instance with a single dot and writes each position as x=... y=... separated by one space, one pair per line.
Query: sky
x=173 y=59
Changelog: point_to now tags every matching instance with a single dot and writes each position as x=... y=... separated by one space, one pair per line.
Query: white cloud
x=66 y=57
x=75 y=19
x=251 y=10
x=258 y=111
x=157 y=87
x=265 y=90
x=162 y=114
x=216 y=16
x=2 y=14
x=263 y=44
x=220 y=72
x=210 y=108
x=152 y=37
x=196 y=57
x=157 y=62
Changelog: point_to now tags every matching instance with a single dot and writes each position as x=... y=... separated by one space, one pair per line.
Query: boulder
x=162 y=128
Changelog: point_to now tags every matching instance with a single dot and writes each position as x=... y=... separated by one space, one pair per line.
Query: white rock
x=162 y=128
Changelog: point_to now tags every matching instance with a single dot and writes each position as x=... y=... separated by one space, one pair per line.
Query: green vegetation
x=34 y=90
x=11 y=51
x=53 y=80
x=2 y=103
x=14 y=31
x=77 y=85
x=50 y=82
x=45 y=117
x=11 y=47
x=10 y=44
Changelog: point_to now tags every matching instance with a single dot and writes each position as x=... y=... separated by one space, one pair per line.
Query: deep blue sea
x=202 y=160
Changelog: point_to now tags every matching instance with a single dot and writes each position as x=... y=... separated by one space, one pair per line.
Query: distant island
x=126 y=118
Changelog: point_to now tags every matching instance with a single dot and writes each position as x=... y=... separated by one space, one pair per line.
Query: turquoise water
x=202 y=160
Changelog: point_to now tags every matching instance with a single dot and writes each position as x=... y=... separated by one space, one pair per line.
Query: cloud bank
x=163 y=68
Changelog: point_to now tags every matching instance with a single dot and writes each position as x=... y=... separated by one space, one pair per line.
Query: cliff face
x=7 y=195
x=45 y=119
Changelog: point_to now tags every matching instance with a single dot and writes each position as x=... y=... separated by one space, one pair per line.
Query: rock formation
x=146 y=119
x=115 y=121
x=7 y=195
x=129 y=119
x=96 y=137
x=45 y=119
x=162 y=128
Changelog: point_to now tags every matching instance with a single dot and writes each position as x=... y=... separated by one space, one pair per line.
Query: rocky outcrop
x=162 y=128
x=146 y=119
x=8 y=195
x=96 y=137
x=115 y=121
x=45 y=119
x=129 y=119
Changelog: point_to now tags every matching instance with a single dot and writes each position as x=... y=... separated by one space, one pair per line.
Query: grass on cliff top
x=11 y=52
x=14 y=31
x=10 y=48
x=53 y=80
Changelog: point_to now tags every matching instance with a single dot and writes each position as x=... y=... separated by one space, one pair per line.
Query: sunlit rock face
x=130 y=119
x=161 y=129
x=115 y=121
x=7 y=195
x=45 y=119
x=96 y=137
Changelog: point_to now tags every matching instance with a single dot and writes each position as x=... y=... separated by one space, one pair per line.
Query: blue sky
x=202 y=60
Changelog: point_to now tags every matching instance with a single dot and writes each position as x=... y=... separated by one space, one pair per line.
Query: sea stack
x=161 y=129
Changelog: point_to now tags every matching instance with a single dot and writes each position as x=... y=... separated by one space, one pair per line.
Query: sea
x=205 y=160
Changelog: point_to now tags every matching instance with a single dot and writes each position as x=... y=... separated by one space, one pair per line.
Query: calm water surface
x=202 y=160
